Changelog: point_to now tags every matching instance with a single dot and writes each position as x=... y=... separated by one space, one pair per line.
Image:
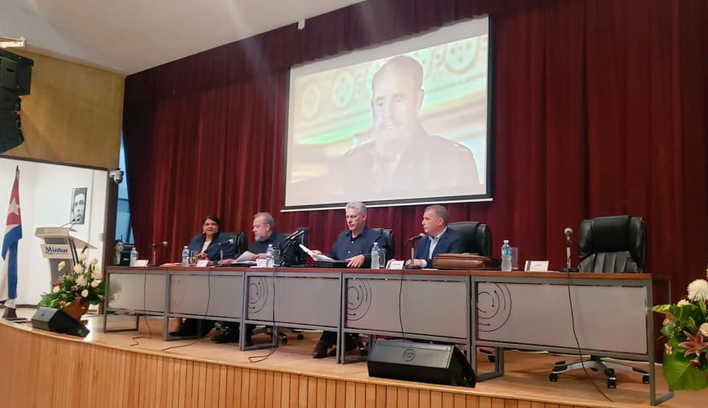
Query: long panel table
x=610 y=314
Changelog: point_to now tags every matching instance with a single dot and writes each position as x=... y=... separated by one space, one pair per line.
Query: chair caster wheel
x=552 y=377
x=645 y=379
x=284 y=340
x=612 y=384
x=560 y=367
x=300 y=337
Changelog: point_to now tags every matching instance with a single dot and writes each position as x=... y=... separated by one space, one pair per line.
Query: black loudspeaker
x=47 y=318
x=15 y=72
x=429 y=363
x=10 y=134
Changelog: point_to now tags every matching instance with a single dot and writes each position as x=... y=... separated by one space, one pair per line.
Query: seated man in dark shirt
x=439 y=239
x=353 y=245
x=264 y=235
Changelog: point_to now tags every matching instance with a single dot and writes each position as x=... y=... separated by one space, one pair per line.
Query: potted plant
x=686 y=330
x=75 y=290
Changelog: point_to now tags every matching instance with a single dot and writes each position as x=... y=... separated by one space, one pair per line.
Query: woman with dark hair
x=211 y=245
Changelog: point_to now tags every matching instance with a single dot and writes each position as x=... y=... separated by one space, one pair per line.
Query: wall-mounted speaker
x=429 y=363
x=15 y=72
x=47 y=318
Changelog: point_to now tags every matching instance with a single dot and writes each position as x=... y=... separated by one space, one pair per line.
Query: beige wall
x=73 y=114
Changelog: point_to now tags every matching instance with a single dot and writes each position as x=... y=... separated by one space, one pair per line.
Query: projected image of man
x=400 y=154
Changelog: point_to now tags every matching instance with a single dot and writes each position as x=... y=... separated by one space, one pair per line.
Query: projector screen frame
x=488 y=196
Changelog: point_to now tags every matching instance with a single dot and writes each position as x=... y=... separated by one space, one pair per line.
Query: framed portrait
x=78 y=205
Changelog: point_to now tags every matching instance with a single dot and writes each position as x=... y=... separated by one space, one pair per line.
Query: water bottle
x=506 y=257
x=185 y=256
x=269 y=256
x=375 y=256
x=133 y=256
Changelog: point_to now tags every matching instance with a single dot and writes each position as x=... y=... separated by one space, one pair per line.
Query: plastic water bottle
x=375 y=256
x=269 y=256
x=506 y=257
x=185 y=256
x=133 y=256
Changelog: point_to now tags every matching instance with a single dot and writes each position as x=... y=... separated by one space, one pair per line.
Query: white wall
x=45 y=200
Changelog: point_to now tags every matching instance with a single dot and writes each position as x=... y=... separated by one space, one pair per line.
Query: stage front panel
x=312 y=301
x=427 y=307
x=607 y=318
x=137 y=291
x=207 y=294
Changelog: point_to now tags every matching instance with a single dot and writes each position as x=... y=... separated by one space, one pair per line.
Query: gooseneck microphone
x=161 y=243
x=414 y=237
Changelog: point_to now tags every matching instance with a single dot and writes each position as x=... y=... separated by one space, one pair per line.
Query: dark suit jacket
x=451 y=242
x=214 y=249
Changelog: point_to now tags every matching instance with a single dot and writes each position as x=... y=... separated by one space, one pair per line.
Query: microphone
x=568 y=232
x=161 y=243
x=294 y=235
x=414 y=237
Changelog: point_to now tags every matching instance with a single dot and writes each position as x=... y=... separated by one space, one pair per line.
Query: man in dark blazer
x=439 y=239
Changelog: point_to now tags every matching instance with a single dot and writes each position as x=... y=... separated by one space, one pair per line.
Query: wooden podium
x=59 y=245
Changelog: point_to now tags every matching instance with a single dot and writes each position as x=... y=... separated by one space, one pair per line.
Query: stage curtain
x=599 y=109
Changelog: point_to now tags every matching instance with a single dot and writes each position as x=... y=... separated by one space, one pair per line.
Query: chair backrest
x=240 y=244
x=612 y=244
x=478 y=236
x=388 y=235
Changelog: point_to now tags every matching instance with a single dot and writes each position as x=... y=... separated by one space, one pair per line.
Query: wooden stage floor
x=524 y=385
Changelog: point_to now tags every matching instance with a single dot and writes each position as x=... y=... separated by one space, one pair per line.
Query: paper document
x=245 y=257
x=316 y=257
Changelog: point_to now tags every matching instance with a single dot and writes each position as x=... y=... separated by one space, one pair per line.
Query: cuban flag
x=13 y=234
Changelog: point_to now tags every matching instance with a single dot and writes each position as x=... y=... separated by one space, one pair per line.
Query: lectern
x=59 y=245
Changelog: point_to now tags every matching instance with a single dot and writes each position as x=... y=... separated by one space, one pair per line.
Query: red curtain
x=600 y=108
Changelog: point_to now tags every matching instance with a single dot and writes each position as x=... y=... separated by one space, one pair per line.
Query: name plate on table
x=56 y=251
x=536 y=266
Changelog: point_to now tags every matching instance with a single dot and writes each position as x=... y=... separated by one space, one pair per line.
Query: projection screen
x=402 y=123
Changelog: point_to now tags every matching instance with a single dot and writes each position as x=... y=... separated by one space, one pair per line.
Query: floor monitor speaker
x=47 y=318
x=429 y=363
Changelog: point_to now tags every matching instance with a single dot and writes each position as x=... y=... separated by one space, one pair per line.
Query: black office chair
x=615 y=244
x=388 y=235
x=239 y=241
x=478 y=236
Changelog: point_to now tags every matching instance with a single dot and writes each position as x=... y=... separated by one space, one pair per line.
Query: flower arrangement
x=83 y=285
x=686 y=331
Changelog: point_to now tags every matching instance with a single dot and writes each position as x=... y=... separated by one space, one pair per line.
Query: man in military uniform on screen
x=400 y=156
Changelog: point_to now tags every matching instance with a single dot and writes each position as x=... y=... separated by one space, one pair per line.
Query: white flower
x=61 y=265
x=94 y=261
x=698 y=290
x=56 y=289
x=83 y=257
x=84 y=293
x=683 y=302
x=79 y=268
x=97 y=274
x=95 y=283
x=81 y=281
x=704 y=329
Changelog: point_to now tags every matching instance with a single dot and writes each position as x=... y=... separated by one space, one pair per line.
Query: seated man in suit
x=439 y=238
x=353 y=245
x=264 y=234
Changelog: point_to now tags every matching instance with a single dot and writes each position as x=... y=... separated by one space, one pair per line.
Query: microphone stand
x=568 y=261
